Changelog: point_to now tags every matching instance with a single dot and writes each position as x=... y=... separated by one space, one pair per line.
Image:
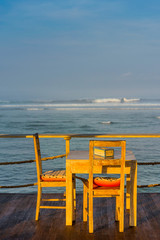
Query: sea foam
x=35 y=109
x=107 y=100
x=106 y=122
x=115 y=100
x=130 y=100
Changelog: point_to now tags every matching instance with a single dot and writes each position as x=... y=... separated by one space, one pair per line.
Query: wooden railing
x=67 y=138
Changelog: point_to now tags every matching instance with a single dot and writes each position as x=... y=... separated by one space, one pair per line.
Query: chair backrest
x=109 y=161
x=37 y=156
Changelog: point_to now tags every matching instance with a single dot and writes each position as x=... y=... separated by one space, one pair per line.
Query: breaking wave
x=84 y=104
x=106 y=122
x=115 y=100
x=107 y=100
x=130 y=100
x=35 y=109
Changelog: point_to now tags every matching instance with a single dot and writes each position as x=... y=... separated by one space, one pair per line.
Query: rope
x=34 y=184
x=30 y=161
x=54 y=157
x=63 y=155
x=7 y=163
x=19 y=186
x=150 y=185
x=148 y=163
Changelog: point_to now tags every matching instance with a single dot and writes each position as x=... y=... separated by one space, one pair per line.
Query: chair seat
x=107 y=181
x=96 y=187
x=54 y=176
x=102 y=182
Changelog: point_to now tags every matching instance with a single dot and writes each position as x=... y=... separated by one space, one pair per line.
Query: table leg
x=69 y=196
x=74 y=196
x=128 y=179
x=133 y=195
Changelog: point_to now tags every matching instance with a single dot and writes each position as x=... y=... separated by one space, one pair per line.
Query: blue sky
x=69 y=49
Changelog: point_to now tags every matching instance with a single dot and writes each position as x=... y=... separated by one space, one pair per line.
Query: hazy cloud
x=126 y=74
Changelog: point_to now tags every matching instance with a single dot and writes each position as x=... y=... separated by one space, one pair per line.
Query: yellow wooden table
x=77 y=162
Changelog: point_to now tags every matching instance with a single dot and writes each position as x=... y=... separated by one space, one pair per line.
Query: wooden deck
x=17 y=213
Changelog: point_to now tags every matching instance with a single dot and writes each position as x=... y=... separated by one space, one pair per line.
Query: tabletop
x=84 y=154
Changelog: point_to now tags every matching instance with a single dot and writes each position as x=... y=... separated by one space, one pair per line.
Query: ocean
x=93 y=116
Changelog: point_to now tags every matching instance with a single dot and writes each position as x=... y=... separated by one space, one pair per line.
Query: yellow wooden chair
x=89 y=192
x=48 y=179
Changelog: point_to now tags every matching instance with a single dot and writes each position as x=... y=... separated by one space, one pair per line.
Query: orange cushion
x=54 y=176
x=95 y=185
x=107 y=181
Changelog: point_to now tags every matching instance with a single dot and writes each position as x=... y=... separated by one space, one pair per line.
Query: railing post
x=67 y=145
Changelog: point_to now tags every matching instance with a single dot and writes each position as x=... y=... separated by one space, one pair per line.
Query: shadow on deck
x=17 y=212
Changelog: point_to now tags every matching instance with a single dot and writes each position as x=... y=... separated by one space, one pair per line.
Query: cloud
x=47 y=10
x=53 y=10
x=127 y=74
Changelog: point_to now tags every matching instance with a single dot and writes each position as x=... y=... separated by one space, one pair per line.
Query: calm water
x=83 y=116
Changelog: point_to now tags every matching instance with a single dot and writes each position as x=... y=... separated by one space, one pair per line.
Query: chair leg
x=117 y=209
x=91 y=211
x=121 y=217
x=85 y=203
x=39 y=193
